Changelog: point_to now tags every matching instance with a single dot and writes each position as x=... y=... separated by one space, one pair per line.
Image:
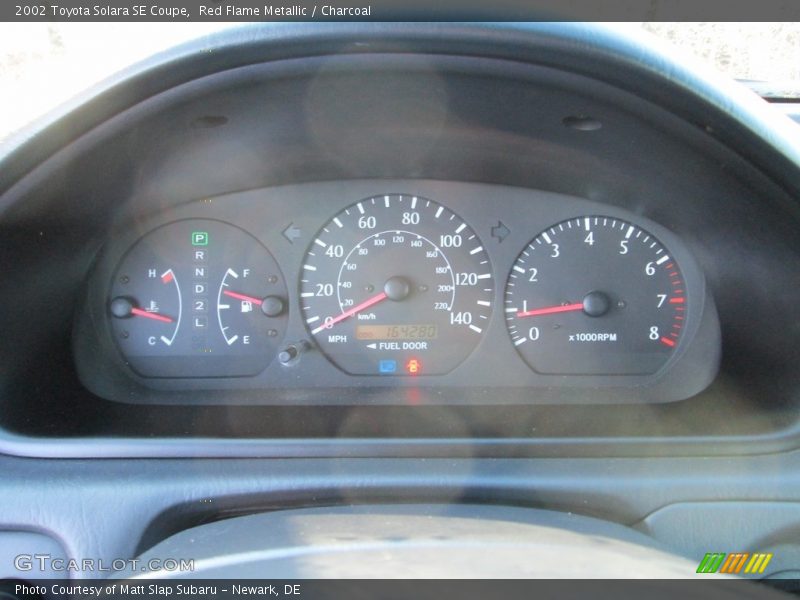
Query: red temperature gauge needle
x=331 y=321
x=550 y=310
x=148 y=315
x=239 y=296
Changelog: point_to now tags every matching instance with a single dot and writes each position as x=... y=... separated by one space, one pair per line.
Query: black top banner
x=397 y=10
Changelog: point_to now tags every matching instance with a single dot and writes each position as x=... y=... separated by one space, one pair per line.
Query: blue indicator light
x=387 y=366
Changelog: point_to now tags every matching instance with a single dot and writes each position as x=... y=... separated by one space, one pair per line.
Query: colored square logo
x=199 y=238
x=387 y=366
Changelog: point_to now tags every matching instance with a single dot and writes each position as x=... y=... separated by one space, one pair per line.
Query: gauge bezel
x=434 y=217
x=630 y=233
x=197 y=366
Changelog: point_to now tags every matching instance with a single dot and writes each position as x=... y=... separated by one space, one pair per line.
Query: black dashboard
x=388 y=242
x=460 y=250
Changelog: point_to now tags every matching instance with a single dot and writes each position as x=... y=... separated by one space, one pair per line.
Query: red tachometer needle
x=331 y=321
x=148 y=315
x=257 y=301
x=551 y=310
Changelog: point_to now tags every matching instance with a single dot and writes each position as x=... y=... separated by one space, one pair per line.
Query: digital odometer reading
x=396 y=285
x=595 y=296
x=396 y=332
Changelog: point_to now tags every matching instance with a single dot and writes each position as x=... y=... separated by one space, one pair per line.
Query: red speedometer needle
x=549 y=310
x=331 y=321
x=238 y=296
x=148 y=315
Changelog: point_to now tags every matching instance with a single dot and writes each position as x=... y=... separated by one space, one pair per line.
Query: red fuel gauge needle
x=149 y=315
x=244 y=297
x=549 y=310
x=331 y=321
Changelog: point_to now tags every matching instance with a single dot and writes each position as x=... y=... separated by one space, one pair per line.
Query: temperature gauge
x=154 y=321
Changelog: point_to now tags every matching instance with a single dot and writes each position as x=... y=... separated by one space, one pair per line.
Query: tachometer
x=596 y=296
x=396 y=285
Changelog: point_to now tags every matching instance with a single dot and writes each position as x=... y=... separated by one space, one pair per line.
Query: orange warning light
x=413 y=366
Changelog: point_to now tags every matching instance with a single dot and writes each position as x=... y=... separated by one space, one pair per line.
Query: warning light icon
x=413 y=366
x=199 y=238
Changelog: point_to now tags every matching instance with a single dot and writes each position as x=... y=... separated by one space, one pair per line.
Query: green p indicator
x=199 y=238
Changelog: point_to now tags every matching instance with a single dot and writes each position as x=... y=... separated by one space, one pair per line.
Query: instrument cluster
x=407 y=285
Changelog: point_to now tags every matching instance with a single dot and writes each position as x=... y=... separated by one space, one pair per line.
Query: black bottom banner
x=351 y=589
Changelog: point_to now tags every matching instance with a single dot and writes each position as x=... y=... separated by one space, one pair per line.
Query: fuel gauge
x=240 y=315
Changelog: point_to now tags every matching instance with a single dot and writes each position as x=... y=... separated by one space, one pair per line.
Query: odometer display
x=595 y=296
x=396 y=332
x=396 y=280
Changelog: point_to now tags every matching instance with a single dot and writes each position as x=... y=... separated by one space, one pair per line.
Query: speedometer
x=396 y=285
